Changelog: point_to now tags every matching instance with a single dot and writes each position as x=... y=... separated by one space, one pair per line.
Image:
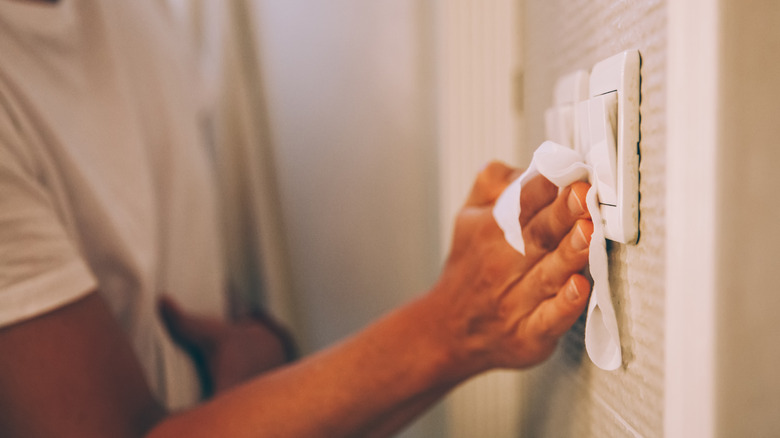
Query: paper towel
x=564 y=166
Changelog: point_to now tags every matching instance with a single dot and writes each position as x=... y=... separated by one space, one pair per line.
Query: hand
x=506 y=309
x=227 y=354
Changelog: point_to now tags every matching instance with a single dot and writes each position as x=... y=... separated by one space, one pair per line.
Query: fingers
x=547 y=227
x=536 y=194
x=490 y=182
x=547 y=277
x=555 y=316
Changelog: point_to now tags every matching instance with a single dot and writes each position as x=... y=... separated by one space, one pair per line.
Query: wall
x=569 y=396
x=723 y=302
x=478 y=57
x=748 y=394
x=350 y=98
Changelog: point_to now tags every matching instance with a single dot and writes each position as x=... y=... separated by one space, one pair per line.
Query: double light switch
x=597 y=119
x=601 y=121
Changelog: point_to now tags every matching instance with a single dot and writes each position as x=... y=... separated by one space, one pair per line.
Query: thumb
x=187 y=330
x=491 y=182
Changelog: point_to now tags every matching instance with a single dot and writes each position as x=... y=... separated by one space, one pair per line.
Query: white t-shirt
x=104 y=181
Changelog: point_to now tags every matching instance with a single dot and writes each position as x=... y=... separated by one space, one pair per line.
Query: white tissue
x=564 y=166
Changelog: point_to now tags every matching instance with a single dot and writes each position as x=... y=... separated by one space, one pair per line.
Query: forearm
x=492 y=307
x=74 y=373
x=340 y=391
x=394 y=421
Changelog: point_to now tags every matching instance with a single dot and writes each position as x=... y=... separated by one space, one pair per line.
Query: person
x=107 y=206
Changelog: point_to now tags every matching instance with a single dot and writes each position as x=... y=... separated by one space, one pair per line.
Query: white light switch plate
x=560 y=120
x=603 y=152
x=620 y=74
x=601 y=121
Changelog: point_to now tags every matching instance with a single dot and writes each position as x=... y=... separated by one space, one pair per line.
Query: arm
x=75 y=373
x=72 y=373
x=228 y=354
x=551 y=320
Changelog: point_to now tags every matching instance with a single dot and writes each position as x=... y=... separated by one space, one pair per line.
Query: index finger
x=536 y=194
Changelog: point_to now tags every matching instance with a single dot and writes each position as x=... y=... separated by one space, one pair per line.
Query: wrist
x=460 y=352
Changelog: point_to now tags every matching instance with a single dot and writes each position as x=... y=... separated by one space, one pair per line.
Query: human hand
x=506 y=309
x=228 y=353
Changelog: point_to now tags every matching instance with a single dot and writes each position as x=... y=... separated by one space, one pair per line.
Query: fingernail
x=576 y=205
x=579 y=240
x=572 y=294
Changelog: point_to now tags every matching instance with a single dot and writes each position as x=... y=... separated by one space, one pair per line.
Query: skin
x=74 y=374
x=227 y=354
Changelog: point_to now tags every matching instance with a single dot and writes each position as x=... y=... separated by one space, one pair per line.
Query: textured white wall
x=569 y=396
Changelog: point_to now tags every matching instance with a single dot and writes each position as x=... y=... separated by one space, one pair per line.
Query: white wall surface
x=691 y=198
x=350 y=100
x=724 y=102
x=748 y=216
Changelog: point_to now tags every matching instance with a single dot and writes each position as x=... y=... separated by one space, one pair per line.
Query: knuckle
x=496 y=271
x=547 y=278
x=540 y=236
x=488 y=175
x=569 y=252
x=562 y=216
x=548 y=330
x=544 y=326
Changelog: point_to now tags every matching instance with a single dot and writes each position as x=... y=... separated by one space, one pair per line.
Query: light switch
x=582 y=128
x=614 y=114
x=602 y=124
x=559 y=124
x=602 y=115
x=561 y=119
x=571 y=88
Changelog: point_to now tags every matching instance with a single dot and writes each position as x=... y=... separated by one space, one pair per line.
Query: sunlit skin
x=73 y=372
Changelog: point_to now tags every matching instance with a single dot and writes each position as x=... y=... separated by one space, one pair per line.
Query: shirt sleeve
x=41 y=268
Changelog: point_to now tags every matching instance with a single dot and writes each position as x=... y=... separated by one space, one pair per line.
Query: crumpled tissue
x=564 y=166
